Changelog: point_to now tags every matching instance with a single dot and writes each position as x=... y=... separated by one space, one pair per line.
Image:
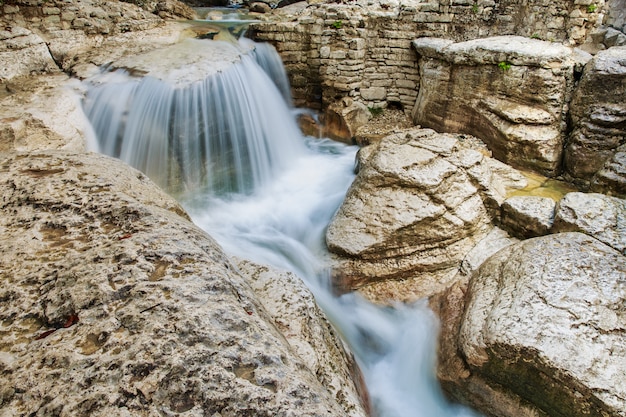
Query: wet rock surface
x=119 y=305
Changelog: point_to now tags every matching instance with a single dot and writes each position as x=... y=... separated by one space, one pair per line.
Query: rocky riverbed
x=115 y=303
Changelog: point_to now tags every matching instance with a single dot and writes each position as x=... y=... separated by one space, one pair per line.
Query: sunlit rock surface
x=114 y=303
x=418 y=205
x=545 y=319
x=511 y=92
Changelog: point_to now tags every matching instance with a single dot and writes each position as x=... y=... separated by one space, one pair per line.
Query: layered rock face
x=363 y=49
x=114 y=303
x=545 y=319
x=420 y=202
x=595 y=157
x=511 y=92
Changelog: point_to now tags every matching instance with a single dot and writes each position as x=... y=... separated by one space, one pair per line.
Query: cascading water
x=267 y=194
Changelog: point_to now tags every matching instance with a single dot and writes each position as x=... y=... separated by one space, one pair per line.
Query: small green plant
x=337 y=24
x=375 y=111
x=535 y=36
x=592 y=8
x=475 y=8
x=504 y=66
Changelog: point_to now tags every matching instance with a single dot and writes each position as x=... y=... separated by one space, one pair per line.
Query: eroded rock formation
x=545 y=320
x=595 y=157
x=115 y=303
x=511 y=92
x=420 y=202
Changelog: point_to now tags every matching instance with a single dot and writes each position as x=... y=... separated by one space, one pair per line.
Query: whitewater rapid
x=276 y=194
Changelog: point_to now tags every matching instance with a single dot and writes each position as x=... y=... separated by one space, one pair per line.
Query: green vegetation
x=375 y=111
x=592 y=8
x=337 y=24
x=475 y=8
x=535 y=36
x=504 y=66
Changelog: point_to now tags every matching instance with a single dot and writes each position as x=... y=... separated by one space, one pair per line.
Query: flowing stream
x=229 y=149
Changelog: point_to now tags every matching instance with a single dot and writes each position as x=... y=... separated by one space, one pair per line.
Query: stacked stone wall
x=364 y=51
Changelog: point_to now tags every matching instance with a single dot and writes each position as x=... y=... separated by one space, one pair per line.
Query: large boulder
x=23 y=53
x=419 y=203
x=114 y=303
x=595 y=157
x=543 y=330
x=511 y=92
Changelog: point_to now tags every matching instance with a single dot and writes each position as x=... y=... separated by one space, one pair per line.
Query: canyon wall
x=364 y=51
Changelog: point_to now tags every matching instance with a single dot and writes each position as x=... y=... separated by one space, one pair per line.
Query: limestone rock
x=42 y=113
x=597 y=215
x=528 y=216
x=412 y=209
x=294 y=311
x=343 y=118
x=598 y=112
x=119 y=305
x=509 y=91
x=545 y=319
x=23 y=53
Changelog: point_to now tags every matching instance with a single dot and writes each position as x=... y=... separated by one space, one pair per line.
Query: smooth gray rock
x=545 y=318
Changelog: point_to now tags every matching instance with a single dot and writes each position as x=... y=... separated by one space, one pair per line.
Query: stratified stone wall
x=364 y=50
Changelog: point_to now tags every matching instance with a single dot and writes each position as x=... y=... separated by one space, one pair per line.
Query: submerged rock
x=119 y=305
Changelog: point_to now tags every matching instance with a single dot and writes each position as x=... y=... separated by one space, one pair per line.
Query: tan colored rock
x=545 y=319
x=413 y=210
x=298 y=317
x=528 y=216
x=511 y=92
x=597 y=215
x=23 y=53
x=343 y=118
x=43 y=113
x=598 y=113
x=119 y=305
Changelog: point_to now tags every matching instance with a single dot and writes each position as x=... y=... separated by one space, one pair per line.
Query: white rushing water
x=273 y=214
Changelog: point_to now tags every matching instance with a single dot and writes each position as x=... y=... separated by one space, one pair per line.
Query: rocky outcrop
x=528 y=216
x=511 y=92
x=543 y=330
x=60 y=34
x=119 y=305
x=419 y=203
x=597 y=215
x=363 y=49
x=595 y=157
x=343 y=118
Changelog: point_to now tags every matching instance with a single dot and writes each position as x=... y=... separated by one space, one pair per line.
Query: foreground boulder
x=511 y=92
x=114 y=303
x=542 y=332
x=420 y=202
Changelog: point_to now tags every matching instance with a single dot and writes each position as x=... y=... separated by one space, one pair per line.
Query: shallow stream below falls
x=230 y=150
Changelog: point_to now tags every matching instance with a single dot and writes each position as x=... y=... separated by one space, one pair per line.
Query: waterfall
x=266 y=193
